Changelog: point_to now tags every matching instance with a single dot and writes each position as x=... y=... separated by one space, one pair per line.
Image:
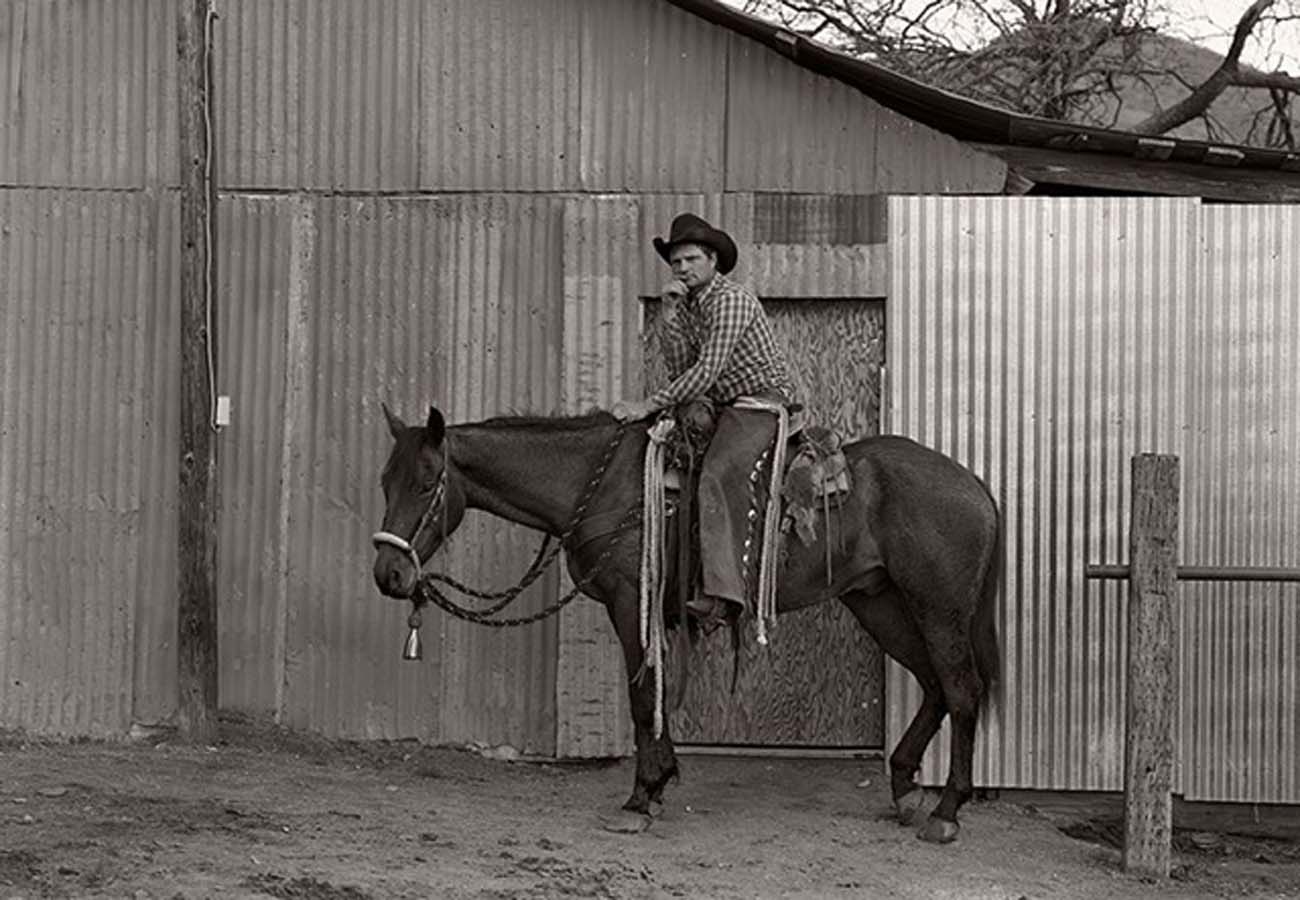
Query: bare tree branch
x=1281 y=122
x=1088 y=61
x=1199 y=100
x=1274 y=81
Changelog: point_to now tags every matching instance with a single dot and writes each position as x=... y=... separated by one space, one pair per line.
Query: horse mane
x=592 y=419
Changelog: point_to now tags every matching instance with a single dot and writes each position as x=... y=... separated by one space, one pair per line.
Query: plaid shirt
x=720 y=345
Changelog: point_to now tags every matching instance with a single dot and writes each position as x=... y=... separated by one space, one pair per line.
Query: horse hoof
x=909 y=806
x=939 y=831
x=625 y=821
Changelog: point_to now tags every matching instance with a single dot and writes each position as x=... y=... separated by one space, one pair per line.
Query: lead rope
x=652 y=563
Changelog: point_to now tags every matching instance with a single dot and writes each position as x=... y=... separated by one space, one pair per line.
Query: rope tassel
x=652 y=563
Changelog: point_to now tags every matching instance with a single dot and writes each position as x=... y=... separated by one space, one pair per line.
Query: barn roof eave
x=969 y=120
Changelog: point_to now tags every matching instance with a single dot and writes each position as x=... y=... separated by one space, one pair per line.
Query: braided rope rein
x=425 y=592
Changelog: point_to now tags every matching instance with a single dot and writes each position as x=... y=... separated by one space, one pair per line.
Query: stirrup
x=711 y=613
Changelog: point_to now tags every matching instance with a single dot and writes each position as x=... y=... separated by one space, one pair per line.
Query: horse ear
x=434 y=429
x=395 y=425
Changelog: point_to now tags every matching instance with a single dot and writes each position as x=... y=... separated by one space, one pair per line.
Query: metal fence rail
x=1153 y=577
x=1204 y=573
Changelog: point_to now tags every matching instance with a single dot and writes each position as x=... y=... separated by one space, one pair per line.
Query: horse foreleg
x=656 y=762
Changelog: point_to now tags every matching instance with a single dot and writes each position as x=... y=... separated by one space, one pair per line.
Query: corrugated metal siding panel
x=602 y=364
x=795 y=268
x=1043 y=342
x=912 y=158
x=789 y=129
x=609 y=264
x=158 y=558
x=321 y=94
x=88 y=93
x=499 y=292
x=501 y=91
x=1241 y=501
x=255 y=243
x=79 y=287
x=447 y=300
x=157 y=279
x=414 y=94
x=781 y=117
x=643 y=65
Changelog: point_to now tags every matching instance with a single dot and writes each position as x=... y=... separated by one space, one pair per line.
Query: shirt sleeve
x=726 y=322
x=674 y=345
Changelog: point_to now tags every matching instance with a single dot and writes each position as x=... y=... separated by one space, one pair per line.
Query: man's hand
x=631 y=410
x=671 y=296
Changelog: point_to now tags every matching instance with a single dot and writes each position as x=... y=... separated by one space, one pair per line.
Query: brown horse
x=916 y=559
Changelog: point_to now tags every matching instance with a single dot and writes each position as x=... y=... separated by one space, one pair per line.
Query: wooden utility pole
x=197 y=635
x=1152 y=678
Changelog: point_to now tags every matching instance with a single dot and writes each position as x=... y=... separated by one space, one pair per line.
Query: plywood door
x=821 y=681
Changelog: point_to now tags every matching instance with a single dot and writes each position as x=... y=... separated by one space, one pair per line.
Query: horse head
x=422 y=503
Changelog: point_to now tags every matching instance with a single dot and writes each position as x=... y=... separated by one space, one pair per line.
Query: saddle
x=815 y=469
x=816 y=475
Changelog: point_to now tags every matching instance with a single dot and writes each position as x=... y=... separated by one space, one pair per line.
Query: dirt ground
x=270 y=813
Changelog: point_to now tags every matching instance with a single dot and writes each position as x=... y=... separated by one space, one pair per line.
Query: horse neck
x=527 y=474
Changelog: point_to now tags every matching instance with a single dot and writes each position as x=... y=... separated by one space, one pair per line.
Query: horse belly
x=807 y=579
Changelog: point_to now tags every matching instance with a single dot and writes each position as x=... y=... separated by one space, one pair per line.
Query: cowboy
x=718 y=345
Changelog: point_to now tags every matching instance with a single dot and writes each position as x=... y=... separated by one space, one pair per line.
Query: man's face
x=693 y=264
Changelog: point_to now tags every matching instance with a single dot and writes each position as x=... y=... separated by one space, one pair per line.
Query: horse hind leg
x=953 y=660
x=886 y=618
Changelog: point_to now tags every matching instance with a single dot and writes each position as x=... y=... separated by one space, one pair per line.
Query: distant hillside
x=1233 y=113
x=1239 y=115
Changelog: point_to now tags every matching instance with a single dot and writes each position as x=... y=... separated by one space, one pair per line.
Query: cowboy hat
x=691 y=229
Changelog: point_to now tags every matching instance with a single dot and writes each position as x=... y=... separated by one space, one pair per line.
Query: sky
x=1210 y=23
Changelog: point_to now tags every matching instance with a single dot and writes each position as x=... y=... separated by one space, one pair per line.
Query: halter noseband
x=379 y=538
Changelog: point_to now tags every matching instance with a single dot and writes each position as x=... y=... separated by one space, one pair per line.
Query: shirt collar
x=710 y=288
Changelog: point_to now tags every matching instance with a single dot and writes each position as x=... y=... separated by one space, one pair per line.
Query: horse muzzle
x=397 y=566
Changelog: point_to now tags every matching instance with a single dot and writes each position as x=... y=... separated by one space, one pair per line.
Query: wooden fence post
x=196 y=647
x=1152 y=681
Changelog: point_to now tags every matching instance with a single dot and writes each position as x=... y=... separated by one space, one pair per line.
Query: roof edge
x=971 y=120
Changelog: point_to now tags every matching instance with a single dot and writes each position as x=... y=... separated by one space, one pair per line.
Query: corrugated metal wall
x=1043 y=342
x=781 y=118
x=333 y=305
x=602 y=333
x=436 y=95
x=86 y=536
x=1241 y=502
x=320 y=300
x=261 y=290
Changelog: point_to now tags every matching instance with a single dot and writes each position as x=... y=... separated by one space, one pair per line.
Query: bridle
x=425 y=591
x=380 y=538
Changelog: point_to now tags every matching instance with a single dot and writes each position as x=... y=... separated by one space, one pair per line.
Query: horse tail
x=984 y=632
